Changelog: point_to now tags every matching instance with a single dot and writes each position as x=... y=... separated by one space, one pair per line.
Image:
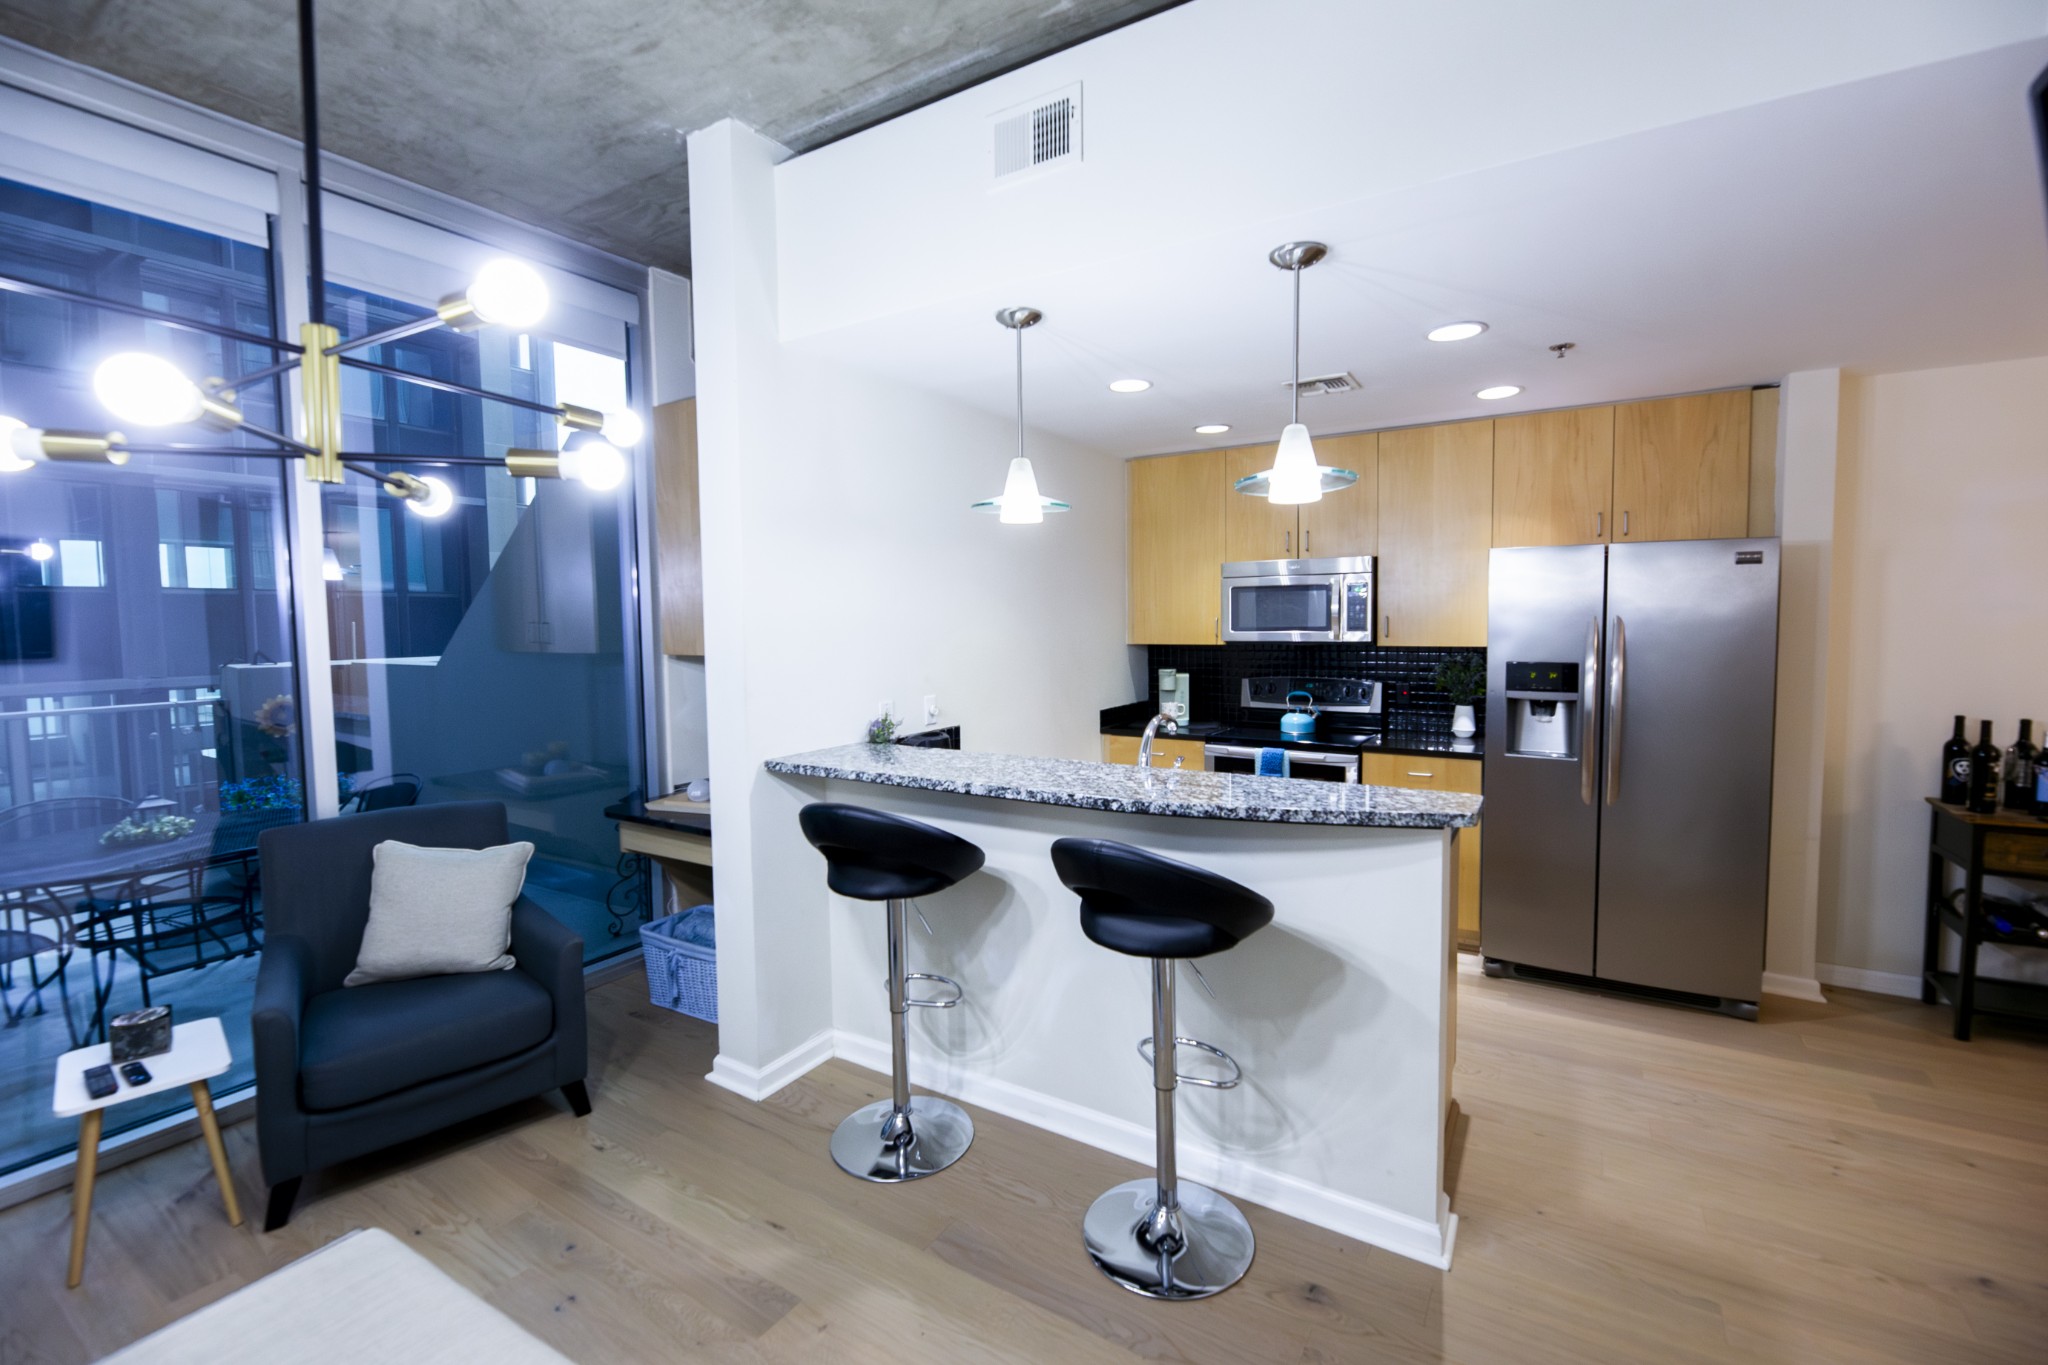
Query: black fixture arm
x=450 y=386
x=14 y=285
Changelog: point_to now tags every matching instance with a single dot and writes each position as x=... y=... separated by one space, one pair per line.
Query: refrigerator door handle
x=1589 y=705
x=1617 y=693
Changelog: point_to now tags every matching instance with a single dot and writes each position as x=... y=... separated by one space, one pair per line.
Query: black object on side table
x=2008 y=845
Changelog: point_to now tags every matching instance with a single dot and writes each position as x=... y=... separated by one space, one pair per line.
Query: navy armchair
x=343 y=1072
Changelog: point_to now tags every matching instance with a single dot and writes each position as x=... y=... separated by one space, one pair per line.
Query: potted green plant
x=1463 y=678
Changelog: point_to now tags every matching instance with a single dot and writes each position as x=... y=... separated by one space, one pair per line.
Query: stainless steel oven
x=1299 y=600
x=1312 y=764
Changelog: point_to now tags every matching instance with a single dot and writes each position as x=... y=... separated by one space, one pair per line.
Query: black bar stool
x=871 y=856
x=1159 y=1237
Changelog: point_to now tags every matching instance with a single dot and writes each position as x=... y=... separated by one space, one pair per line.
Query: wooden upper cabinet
x=1553 y=477
x=1681 y=467
x=1177 y=548
x=678 y=542
x=1346 y=522
x=1436 y=530
x=1254 y=528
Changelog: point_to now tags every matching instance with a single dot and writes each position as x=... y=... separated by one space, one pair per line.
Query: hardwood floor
x=1836 y=1183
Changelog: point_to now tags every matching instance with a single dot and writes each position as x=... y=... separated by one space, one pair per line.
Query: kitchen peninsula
x=1341 y=1013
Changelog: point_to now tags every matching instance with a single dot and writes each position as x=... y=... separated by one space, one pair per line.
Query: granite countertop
x=632 y=808
x=1136 y=791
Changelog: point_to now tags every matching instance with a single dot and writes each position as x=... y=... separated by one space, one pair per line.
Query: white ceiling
x=1890 y=223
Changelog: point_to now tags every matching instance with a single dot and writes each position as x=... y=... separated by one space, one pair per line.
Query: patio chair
x=62 y=814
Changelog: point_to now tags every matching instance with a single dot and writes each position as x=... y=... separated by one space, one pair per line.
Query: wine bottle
x=1986 y=771
x=2019 y=769
x=1955 y=768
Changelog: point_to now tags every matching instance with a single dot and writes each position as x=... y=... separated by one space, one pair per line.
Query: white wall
x=843 y=568
x=1938 y=609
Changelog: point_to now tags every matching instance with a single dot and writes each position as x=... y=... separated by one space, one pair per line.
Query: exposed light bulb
x=594 y=464
x=17 y=438
x=624 y=428
x=41 y=552
x=1457 y=331
x=1295 y=478
x=147 y=390
x=1021 y=503
x=440 y=498
x=509 y=293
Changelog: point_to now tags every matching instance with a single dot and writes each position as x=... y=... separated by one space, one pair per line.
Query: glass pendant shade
x=1295 y=476
x=1021 y=504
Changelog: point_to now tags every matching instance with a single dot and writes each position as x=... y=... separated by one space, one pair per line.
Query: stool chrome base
x=865 y=1145
x=1215 y=1250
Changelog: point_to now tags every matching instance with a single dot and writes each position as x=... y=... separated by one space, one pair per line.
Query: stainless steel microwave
x=1325 y=601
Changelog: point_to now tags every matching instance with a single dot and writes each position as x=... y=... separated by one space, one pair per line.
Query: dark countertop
x=632 y=809
x=1335 y=734
x=1123 y=788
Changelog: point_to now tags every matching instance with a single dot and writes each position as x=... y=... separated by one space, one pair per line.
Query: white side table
x=199 y=1051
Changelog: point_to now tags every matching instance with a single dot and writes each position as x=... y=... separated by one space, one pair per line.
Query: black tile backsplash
x=1412 y=700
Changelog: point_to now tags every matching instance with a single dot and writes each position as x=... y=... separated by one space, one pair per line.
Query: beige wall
x=1940 y=606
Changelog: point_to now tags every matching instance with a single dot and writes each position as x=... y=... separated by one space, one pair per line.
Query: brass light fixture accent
x=145 y=390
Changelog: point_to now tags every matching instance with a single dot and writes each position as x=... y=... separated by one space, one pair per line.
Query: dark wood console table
x=2006 y=845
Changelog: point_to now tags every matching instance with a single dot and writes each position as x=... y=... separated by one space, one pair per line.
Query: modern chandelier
x=146 y=391
x=1020 y=503
x=1295 y=476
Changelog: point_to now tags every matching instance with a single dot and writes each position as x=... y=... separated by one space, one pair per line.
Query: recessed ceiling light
x=1499 y=391
x=1457 y=331
x=1212 y=428
x=1129 y=385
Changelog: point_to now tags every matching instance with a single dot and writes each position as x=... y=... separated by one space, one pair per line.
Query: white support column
x=1809 y=421
x=303 y=522
x=774 y=952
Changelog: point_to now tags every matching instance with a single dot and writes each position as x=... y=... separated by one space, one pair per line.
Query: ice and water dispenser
x=1543 y=710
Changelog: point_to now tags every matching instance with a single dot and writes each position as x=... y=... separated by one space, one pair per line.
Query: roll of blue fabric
x=1272 y=763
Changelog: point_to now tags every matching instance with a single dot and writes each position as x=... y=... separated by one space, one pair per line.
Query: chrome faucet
x=1151 y=729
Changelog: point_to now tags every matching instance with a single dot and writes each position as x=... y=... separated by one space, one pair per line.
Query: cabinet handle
x=1599 y=524
x=1287 y=545
x=1624 y=521
x=1219 y=630
x=1412 y=774
x=1304 y=542
x=1388 y=633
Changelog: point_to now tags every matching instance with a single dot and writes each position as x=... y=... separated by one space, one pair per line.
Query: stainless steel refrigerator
x=1630 y=704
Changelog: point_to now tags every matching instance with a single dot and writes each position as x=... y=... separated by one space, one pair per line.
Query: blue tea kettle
x=1299 y=723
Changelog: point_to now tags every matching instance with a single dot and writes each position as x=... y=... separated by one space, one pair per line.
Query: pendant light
x=1020 y=503
x=1295 y=476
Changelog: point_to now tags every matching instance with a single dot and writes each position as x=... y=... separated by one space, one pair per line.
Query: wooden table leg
x=81 y=1192
x=202 y=1100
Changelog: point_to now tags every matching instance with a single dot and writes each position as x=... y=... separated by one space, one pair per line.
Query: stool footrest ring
x=1210 y=1082
x=959 y=991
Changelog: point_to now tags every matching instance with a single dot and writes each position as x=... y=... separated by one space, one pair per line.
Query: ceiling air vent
x=1040 y=136
x=1330 y=383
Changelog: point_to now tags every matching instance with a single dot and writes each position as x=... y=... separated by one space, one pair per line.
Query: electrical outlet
x=931 y=708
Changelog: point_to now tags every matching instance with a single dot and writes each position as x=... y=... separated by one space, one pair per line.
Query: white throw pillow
x=439 y=911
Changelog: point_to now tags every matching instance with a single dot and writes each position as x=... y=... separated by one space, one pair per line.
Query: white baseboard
x=1796 y=987
x=759 y=1082
x=1863 y=979
x=1415 y=1238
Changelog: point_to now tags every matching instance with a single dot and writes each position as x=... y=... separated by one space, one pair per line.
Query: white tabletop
x=199 y=1050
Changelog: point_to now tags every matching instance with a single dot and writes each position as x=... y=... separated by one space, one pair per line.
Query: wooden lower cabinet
x=1439 y=772
x=1124 y=749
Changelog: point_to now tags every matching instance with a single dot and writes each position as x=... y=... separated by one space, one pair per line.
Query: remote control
x=100 y=1082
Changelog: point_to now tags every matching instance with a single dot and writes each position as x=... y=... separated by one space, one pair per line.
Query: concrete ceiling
x=1889 y=223
x=567 y=116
